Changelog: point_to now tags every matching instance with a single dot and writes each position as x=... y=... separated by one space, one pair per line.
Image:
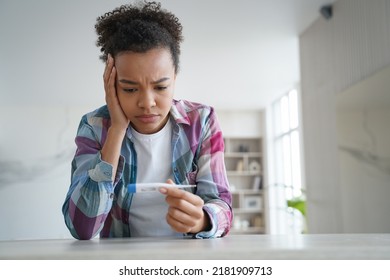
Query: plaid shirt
x=96 y=204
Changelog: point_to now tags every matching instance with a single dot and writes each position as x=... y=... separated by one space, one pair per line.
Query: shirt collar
x=179 y=113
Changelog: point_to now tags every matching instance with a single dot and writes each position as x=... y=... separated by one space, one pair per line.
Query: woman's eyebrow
x=127 y=82
x=135 y=83
x=160 y=80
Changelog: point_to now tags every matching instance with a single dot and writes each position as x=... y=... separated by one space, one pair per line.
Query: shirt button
x=111 y=196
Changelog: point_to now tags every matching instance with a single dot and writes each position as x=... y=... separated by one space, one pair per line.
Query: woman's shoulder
x=184 y=109
x=101 y=112
x=98 y=117
x=190 y=105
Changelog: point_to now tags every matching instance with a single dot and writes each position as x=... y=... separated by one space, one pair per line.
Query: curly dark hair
x=139 y=28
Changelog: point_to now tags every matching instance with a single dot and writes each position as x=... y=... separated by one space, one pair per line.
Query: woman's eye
x=161 y=87
x=130 y=90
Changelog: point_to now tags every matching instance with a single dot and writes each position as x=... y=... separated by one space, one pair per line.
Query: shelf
x=244 y=167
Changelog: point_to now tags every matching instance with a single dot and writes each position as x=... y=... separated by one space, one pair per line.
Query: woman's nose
x=146 y=100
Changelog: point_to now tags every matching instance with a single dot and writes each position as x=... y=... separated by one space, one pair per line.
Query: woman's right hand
x=118 y=118
x=119 y=122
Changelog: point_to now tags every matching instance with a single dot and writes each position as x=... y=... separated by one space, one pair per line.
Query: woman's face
x=145 y=84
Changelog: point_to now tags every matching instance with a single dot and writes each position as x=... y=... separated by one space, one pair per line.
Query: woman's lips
x=148 y=118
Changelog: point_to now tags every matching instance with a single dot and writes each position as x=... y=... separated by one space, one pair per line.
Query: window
x=286 y=182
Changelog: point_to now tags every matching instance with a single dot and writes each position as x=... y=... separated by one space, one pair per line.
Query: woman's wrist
x=112 y=147
x=118 y=130
x=205 y=224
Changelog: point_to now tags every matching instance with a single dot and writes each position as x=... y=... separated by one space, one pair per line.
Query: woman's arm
x=95 y=168
x=119 y=122
x=212 y=180
x=89 y=198
x=208 y=212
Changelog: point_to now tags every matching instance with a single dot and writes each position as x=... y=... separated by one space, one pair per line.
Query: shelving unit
x=244 y=165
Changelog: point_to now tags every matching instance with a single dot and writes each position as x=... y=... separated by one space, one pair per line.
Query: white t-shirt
x=149 y=209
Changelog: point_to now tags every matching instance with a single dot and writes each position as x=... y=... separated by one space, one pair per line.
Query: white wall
x=336 y=54
x=363 y=117
x=242 y=123
x=364 y=151
x=36 y=147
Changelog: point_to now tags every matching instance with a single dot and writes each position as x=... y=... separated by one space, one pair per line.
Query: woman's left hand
x=185 y=212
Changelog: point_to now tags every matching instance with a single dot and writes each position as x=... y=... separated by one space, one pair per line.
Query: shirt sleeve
x=212 y=182
x=90 y=196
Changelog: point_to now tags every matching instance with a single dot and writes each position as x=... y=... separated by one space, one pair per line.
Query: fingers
x=185 y=211
x=186 y=221
x=184 y=225
x=179 y=198
x=118 y=117
x=170 y=181
x=108 y=68
x=183 y=200
x=181 y=194
x=111 y=82
x=109 y=76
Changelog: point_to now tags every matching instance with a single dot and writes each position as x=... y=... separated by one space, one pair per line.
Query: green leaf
x=298 y=203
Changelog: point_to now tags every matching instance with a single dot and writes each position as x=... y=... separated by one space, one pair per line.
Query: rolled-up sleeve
x=213 y=185
x=90 y=196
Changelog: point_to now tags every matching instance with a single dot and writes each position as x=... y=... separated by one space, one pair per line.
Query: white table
x=266 y=247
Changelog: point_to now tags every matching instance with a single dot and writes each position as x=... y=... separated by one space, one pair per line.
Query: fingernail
x=163 y=190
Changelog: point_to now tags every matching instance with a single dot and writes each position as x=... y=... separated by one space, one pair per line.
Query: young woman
x=144 y=135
